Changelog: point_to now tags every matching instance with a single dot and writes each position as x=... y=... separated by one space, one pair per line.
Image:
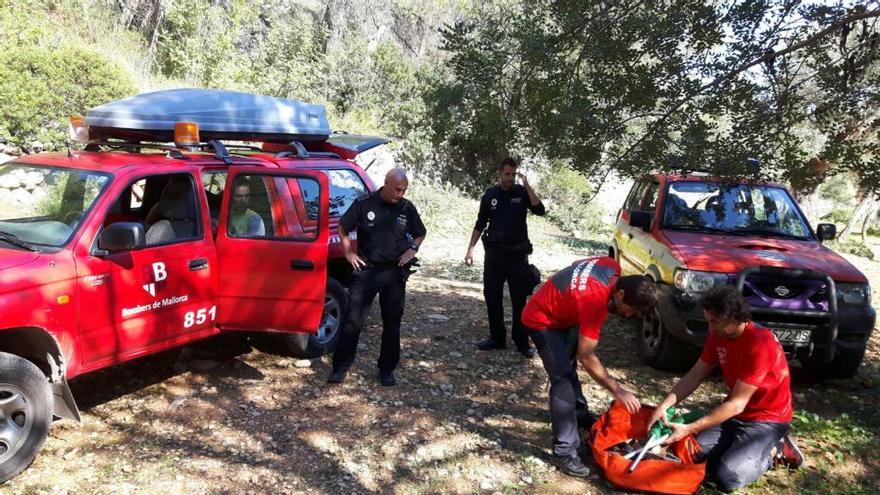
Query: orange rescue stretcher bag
x=617 y=425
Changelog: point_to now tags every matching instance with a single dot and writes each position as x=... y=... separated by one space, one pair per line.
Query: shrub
x=856 y=247
x=566 y=193
x=41 y=88
x=838 y=215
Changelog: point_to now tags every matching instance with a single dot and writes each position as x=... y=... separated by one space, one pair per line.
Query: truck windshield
x=43 y=206
x=738 y=209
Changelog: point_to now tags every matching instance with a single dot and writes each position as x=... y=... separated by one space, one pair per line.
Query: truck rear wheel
x=25 y=414
x=307 y=345
x=844 y=365
x=658 y=348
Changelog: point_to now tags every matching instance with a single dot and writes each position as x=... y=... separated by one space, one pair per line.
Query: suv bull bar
x=823 y=333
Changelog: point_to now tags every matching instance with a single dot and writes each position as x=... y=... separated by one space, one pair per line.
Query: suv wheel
x=25 y=413
x=844 y=365
x=658 y=348
x=324 y=341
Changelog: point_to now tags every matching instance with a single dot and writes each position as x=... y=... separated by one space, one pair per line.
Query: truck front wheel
x=658 y=348
x=25 y=413
x=313 y=345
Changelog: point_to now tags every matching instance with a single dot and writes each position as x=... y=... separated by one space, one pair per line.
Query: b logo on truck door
x=155 y=278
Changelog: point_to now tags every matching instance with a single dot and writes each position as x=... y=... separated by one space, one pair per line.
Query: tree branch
x=810 y=40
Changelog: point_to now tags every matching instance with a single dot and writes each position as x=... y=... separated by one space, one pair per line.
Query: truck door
x=623 y=234
x=272 y=261
x=643 y=246
x=137 y=302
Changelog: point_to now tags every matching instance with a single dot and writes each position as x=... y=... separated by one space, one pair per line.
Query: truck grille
x=784 y=293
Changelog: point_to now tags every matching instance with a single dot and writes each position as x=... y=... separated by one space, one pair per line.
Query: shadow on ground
x=222 y=417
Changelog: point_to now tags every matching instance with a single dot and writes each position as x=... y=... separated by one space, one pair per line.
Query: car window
x=750 y=209
x=45 y=205
x=310 y=195
x=214 y=182
x=635 y=195
x=260 y=207
x=345 y=187
x=649 y=203
x=165 y=205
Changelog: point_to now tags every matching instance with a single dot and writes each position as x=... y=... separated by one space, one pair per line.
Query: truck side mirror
x=640 y=219
x=826 y=231
x=121 y=236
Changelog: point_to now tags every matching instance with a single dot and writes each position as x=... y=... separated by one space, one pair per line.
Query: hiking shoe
x=571 y=465
x=336 y=377
x=388 y=379
x=490 y=345
x=528 y=352
x=788 y=454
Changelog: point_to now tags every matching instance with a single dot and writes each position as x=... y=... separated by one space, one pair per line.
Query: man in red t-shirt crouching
x=749 y=430
x=564 y=318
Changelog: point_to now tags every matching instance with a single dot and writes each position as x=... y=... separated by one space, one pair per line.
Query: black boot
x=336 y=377
x=571 y=465
x=490 y=345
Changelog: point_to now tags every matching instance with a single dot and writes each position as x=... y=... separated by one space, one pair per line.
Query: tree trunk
x=872 y=214
x=864 y=207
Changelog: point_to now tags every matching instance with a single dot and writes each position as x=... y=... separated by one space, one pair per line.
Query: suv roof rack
x=303 y=153
x=221 y=151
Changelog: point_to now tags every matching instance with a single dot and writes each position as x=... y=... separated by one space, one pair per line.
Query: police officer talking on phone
x=501 y=222
x=389 y=232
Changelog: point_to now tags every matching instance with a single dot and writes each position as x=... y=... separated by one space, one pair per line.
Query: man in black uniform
x=506 y=242
x=390 y=232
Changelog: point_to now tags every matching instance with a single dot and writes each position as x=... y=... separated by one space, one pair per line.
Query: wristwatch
x=414 y=247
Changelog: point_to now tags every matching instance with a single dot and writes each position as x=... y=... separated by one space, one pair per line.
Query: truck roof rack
x=302 y=153
x=220 y=150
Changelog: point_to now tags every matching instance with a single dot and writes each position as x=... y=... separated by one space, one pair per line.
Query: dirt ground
x=235 y=415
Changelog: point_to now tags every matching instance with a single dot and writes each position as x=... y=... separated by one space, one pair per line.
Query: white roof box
x=219 y=114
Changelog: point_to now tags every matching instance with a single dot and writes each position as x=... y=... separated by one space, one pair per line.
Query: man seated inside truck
x=749 y=431
x=244 y=221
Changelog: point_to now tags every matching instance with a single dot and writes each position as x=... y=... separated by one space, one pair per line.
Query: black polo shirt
x=384 y=230
x=505 y=213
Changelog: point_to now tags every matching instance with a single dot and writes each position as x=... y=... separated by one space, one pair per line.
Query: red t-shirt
x=755 y=358
x=577 y=295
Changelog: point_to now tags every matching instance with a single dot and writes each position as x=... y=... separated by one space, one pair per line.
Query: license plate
x=793 y=336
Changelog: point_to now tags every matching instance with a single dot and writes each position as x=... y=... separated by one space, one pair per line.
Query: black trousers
x=505 y=266
x=390 y=284
x=558 y=351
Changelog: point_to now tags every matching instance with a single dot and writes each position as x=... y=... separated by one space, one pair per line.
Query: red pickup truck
x=693 y=232
x=128 y=248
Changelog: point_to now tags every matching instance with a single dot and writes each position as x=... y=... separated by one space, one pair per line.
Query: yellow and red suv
x=693 y=232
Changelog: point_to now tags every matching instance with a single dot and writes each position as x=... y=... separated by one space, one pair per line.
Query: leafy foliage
x=42 y=88
x=566 y=193
x=677 y=84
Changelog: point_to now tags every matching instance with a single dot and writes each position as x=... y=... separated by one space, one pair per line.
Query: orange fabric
x=652 y=475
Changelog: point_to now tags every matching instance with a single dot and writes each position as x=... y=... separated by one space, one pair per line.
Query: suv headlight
x=853 y=293
x=697 y=282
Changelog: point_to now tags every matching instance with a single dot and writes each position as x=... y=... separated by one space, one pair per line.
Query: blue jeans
x=558 y=351
x=738 y=452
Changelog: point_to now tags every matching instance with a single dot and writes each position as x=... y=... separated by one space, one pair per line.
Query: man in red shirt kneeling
x=743 y=436
x=564 y=318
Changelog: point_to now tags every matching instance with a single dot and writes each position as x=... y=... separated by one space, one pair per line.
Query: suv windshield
x=739 y=209
x=43 y=206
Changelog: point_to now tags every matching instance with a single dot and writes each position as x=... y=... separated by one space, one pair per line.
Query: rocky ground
x=235 y=415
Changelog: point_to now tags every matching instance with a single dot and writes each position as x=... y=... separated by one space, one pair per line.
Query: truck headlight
x=697 y=282
x=853 y=293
